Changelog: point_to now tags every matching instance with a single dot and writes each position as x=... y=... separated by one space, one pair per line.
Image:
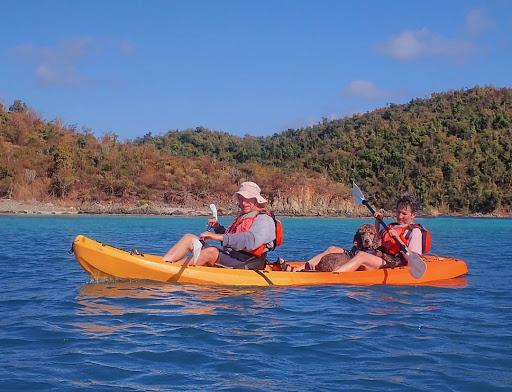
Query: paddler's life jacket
x=391 y=246
x=243 y=224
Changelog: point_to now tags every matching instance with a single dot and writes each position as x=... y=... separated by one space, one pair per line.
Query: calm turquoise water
x=59 y=331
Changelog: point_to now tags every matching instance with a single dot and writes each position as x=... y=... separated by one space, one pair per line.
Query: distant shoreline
x=17 y=207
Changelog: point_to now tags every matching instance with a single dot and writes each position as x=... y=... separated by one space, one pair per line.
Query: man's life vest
x=243 y=224
x=391 y=246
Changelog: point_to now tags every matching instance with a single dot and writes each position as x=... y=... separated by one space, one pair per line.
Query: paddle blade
x=196 y=250
x=357 y=194
x=213 y=208
x=416 y=264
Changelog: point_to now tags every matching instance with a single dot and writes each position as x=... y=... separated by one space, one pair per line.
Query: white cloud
x=410 y=45
x=58 y=65
x=365 y=90
x=66 y=51
x=126 y=47
x=477 y=21
x=59 y=75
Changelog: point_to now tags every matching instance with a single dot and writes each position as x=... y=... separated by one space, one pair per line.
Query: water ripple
x=61 y=332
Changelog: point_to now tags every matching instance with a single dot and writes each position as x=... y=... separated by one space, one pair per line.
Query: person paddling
x=404 y=231
x=245 y=242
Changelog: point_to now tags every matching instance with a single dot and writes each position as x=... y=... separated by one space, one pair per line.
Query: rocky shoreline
x=17 y=207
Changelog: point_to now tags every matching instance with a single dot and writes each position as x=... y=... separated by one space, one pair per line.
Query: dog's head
x=367 y=237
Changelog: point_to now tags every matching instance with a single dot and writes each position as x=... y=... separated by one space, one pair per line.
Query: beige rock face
x=301 y=200
x=9 y=206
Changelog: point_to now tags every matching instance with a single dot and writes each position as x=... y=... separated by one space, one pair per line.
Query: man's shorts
x=229 y=258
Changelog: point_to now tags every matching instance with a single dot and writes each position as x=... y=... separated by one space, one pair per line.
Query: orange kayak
x=103 y=261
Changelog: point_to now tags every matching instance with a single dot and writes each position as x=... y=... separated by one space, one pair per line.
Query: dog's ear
x=358 y=242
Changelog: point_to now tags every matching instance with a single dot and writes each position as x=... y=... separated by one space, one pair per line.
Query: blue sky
x=244 y=67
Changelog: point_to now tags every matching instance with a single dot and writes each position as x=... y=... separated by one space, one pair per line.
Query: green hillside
x=453 y=150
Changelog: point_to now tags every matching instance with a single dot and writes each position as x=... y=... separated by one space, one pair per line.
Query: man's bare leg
x=208 y=256
x=180 y=248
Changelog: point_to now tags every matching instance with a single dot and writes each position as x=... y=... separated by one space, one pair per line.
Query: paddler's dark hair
x=408 y=200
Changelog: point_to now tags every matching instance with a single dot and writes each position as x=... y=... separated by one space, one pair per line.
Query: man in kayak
x=403 y=231
x=245 y=242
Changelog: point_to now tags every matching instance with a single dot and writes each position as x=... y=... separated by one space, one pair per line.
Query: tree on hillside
x=18 y=107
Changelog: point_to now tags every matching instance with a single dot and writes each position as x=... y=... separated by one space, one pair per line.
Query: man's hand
x=212 y=222
x=211 y=236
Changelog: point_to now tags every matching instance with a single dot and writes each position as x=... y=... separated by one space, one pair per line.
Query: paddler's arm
x=262 y=231
x=237 y=241
x=395 y=235
x=208 y=235
x=397 y=238
x=378 y=215
x=415 y=242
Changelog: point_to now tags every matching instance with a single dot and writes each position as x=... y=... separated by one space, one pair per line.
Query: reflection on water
x=100 y=330
x=404 y=296
x=122 y=298
x=157 y=290
x=456 y=283
x=145 y=298
x=123 y=289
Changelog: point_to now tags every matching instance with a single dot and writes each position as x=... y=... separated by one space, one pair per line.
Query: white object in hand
x=196 y=250
x=214 y=211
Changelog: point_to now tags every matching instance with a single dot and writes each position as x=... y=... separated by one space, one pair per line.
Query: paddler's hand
x=379 y=215
x=395 y=235
x=207 y=235
x=212 y=222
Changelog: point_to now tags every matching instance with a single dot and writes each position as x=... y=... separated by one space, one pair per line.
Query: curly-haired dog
x=367 y=239
x=330 y=262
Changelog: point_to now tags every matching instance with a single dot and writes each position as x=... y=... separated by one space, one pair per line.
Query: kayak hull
x=103 y=261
